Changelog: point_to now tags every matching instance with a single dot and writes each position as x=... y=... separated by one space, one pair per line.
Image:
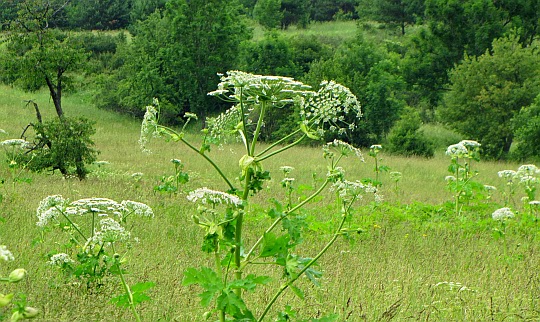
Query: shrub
x=63 y=144
x=406 y=137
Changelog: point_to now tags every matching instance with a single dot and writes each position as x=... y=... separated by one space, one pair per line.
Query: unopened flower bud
x=195 y=219
x=17 y=275
x=5 y=299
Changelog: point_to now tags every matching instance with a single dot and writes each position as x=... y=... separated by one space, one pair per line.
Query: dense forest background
x=470 y=65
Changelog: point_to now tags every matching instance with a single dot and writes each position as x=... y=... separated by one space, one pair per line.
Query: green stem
x=282 y=149
x=222 y=175
x=127 y=289
x=243 y=115
x=278 y=220
x=72 y=224
x=257 y=129
x=238 y=233
x=308 y=265
x=217 y=263
x=271 y=146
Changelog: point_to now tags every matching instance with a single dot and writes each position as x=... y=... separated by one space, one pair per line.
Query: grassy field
x=414 y=260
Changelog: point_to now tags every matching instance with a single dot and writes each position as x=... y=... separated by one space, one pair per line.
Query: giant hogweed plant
x=462 y=182
x=222 y=214
x=96 y=230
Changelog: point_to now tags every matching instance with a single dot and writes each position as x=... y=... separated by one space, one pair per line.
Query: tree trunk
x=56 y=95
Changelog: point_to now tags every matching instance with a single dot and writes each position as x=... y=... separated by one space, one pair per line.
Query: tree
x=527 y=131
x=268 y=13
x=488 y=92
x=176 y=56
x=38 y=55
x=407 y=138
x=99 y=14
x=392 y=12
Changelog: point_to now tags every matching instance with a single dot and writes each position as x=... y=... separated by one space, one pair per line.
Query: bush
x=63 y=144
x=406 y=137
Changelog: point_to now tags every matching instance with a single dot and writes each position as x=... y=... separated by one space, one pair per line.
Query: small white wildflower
x=149 y=127
x=137 y=208
x=450 y=178
x=528 y=170
x=286 y=169
x=60 y=259
x=208 y=196
x=395 y=175
x=507 y=174
x=470 y=144
x=457 y=151
x=111 y=231
x=15 y=143
x=287 y=182
x=50 y=208
x=191 y=116
x=100 y=205
x=344 y=149
x=489 y=188
x=502 y=214
x=534 y=203
x=376 y=147
x=5 y=254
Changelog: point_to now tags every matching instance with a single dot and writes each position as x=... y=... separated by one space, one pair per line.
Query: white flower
x=502 y=214
x=286 y=169
x=50 y=208
x=97 y=205
x=507 y=174
x=470 y=144
x=534 y=203
x=100 y=163
x=343 y=148
x=137 y=208
x=528 y=170
x=5 y=254
x=450 y=178
x=60 y=259
x=457 y=151
x=15 y=142
x=149 y=126
x=489 y=188
x=207 y=196
x=376 y=147
x=111 y=232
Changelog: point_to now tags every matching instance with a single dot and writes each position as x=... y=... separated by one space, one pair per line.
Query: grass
x=414 y=260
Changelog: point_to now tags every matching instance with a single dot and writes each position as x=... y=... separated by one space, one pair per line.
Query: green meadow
x=413 y=258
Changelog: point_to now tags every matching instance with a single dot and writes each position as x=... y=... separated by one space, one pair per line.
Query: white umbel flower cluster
x=208 y=196
x=5 y=254
x=502 y=214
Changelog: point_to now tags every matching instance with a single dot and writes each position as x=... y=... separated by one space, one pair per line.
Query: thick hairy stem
x=258 y=129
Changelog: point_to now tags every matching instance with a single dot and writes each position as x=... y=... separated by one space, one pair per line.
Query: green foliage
x=268 y=13
x=184 y=42
x=64 y=144
x=392 y=12
x=371 y=73
x=406 y=138
x=526 y=127
x=99 y=14
x=489 y=91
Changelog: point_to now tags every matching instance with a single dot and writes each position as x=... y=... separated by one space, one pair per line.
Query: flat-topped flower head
x=502 y=214
x=331 y=108
x=238 y=86
x=60 y=259
x=96 y=205
x=528 y=170
x=5 y=254
x=286 y=169
x=507 y=174
x=50 y=208
x=111 y=231
x=457 y=150
x=213 y=197
x=342 y=148
x=15 y=142
x=137 y=208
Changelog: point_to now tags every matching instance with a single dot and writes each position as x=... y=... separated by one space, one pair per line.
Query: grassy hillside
x=413 y=260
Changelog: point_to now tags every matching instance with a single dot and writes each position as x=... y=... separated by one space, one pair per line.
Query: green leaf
x=274 y=246
x=297 y=291
x=306 y=131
